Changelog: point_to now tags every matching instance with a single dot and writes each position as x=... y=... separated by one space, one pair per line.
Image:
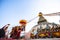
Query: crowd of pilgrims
x=15 y=32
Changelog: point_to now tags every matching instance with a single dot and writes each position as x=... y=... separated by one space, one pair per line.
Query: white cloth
x=22 y=33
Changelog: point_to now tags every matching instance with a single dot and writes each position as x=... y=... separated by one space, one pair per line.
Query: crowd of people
x=15 y=32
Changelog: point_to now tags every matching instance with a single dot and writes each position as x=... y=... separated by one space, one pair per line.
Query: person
x=22 y=23
x=3 y=31
x=15 y=33
x=17 y=30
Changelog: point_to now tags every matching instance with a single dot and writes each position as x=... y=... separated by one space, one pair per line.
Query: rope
x=32 y=19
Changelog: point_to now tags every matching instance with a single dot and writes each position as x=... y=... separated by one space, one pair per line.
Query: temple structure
x=44 y=29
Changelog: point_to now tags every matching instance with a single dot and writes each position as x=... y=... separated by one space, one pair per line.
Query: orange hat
x=22 y=21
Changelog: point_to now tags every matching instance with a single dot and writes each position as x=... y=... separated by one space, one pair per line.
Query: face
x=23 y=24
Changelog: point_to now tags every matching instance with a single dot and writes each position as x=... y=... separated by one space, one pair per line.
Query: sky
x=11 y=11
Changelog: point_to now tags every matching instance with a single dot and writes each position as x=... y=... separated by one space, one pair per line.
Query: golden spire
x=40 y=14
x=41 y=18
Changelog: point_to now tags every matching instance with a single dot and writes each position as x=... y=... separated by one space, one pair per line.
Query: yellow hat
x=22 y=21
